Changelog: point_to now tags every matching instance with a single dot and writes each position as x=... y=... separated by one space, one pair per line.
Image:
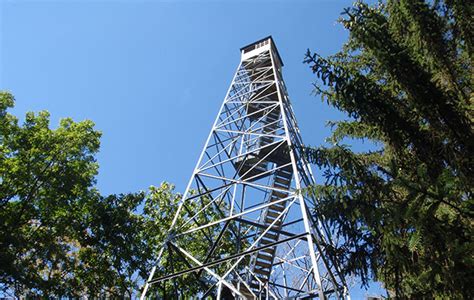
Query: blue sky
x=152 y=74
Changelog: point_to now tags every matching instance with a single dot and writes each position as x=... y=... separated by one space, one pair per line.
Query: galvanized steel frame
x=232 y=139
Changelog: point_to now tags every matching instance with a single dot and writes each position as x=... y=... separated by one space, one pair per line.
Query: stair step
x=265 y=272
x=282 y=181
x=280 y=186
x=273 y=214
x=266 y=241
x=285 y=173
x=273 y=118
x=277 y=207
x=262 y=264
x=264 y=256
x=270 y=251
x=278 y=194
x=275 y=199
x=274 y=112
x=274 y=210
x=271 y=236
x=273 y=115
x=270 y=221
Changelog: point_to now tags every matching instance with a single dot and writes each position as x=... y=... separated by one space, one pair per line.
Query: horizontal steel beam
x=230 y=257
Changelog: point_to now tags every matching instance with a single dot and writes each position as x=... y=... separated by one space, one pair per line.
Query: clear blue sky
x=152 y=74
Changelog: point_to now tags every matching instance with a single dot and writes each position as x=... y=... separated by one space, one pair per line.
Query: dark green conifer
x=405 y=210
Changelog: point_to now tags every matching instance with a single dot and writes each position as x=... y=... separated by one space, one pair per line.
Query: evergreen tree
x=404 y=209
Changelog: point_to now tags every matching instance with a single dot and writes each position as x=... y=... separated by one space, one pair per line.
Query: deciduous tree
x=59 y=237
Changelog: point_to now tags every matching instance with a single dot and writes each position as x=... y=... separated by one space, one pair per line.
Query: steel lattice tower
x=243 y=230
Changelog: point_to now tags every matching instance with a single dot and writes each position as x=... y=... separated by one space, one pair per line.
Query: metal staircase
x=264 y=259
x=270 y=153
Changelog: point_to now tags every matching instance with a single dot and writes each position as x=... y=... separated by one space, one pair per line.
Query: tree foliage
x=58 y=236
x=45 y=174
x=404 y=209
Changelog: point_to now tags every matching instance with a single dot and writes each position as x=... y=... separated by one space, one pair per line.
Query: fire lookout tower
x=242 y=229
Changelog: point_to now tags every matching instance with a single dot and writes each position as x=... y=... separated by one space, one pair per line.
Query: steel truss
x=243 y=230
